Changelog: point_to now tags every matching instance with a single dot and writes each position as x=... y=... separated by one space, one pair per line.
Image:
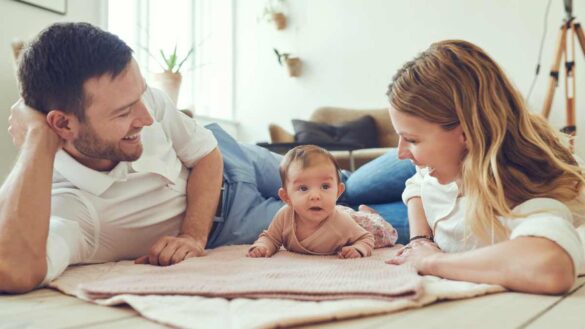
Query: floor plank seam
x=541 y=313
x=89 y=324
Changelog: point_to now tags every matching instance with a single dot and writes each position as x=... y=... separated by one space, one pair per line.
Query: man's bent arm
x=203 y=189
x=25 y=205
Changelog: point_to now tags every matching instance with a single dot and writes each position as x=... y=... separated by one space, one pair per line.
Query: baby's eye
x=303 y=188
x=325 y=186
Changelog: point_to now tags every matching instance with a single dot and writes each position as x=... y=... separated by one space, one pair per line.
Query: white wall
x=351 y=49
x=22 y=21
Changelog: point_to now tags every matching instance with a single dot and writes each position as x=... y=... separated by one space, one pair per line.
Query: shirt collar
x=93 y=181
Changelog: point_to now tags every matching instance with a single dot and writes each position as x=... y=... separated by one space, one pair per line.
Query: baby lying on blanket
x=310 y=222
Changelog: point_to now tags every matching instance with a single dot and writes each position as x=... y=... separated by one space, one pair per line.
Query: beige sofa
x=387 y=137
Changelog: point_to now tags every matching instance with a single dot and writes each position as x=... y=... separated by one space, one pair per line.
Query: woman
x=496 y=197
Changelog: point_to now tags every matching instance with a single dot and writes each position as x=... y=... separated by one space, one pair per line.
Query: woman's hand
x=417 y=253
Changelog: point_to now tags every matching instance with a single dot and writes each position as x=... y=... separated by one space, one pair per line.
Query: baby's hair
x=307 y=154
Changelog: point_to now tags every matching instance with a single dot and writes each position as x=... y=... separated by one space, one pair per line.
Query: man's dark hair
x=54 y=67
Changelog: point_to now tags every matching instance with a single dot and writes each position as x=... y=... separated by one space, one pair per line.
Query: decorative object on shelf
x=293 y=64
x=17 y=47
x=273 y=13
x=170 y=79
x=55 y=6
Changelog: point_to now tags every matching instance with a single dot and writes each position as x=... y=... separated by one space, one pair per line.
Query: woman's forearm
x=417 y=219
x=526 y=264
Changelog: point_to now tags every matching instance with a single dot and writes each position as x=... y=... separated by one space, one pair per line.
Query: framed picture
x=56 y=6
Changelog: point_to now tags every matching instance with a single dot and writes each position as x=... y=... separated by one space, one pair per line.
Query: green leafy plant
x=171 y=62
x=282 y=57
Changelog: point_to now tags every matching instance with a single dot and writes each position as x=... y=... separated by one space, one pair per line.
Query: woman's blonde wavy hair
x=512 y=154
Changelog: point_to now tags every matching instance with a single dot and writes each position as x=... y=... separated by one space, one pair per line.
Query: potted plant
x=293 y=64
x=273 y=13
x=170 y=79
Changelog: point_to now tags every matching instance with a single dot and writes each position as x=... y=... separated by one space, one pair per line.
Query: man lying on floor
x=110 y=170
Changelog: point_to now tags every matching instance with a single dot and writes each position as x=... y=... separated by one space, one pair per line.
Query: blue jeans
x=250 y=196
x=379 y=181
x=379 y=184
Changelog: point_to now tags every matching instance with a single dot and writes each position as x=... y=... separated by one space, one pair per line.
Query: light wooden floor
x=50 y=309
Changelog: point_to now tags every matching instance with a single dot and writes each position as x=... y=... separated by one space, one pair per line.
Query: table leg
x=351 y=161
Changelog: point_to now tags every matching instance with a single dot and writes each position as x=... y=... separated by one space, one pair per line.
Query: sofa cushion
x=361 y=132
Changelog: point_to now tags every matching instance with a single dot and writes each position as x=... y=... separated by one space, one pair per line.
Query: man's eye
x=325 y=186
x=127 y=112
x=411 y=141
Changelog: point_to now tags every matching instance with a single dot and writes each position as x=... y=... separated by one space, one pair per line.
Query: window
x=149 y=26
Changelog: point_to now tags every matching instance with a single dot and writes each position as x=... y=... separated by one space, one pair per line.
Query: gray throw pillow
x=361 y=132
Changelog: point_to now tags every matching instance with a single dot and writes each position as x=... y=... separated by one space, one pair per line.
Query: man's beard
x=91 y=145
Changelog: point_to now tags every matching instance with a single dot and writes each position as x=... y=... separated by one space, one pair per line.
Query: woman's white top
x=445 y=211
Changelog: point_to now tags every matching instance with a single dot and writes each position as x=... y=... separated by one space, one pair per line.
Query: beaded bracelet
x=418 y=237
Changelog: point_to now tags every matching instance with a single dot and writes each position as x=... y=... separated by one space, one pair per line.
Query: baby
x=310 y=222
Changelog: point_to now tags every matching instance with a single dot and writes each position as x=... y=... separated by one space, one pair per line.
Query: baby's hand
x=259 y=252
x=349 y=252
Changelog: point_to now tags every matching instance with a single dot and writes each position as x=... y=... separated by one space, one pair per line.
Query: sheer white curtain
x=149 y=26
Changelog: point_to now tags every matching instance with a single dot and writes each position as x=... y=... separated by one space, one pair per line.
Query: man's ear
x=340 y=189
x=283 y=196
x=64 y=124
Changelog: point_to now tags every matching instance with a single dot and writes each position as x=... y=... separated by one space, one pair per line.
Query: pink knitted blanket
x=226 y=272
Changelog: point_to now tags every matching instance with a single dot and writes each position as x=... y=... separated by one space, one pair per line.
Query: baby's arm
x=349 y=252
x=270 y=240
x=258 y=251
x=360 y=241
x=362 y=246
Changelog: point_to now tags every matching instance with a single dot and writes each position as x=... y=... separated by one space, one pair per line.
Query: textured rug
x=227 y=273
x=225 y=289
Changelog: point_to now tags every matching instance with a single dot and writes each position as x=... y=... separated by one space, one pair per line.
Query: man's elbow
x=19 y=280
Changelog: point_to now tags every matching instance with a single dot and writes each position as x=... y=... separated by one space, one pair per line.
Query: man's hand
x=22 y=119
x=170 y=250
x=259 y=252
x=416 y=253
x=349 y=252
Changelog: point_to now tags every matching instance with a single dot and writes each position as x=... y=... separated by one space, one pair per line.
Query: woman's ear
x=64 y=124
x=283 y=196
x=340 y=189
x=462 y=137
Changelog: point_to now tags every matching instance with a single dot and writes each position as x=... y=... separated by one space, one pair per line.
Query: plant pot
x=293 y=66
x=168 y=82
x=279 y=20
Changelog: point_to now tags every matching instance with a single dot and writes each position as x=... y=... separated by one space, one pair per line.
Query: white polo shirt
x=107 y=216
x=445 y=211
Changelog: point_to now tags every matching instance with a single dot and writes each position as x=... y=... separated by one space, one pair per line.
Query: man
x=110 y=170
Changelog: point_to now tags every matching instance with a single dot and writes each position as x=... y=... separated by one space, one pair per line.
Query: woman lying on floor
x=496 y=197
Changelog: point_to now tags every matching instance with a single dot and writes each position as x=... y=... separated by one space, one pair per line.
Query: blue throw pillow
x=378 y=181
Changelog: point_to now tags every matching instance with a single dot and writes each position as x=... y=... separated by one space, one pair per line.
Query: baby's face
x=313 y=191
